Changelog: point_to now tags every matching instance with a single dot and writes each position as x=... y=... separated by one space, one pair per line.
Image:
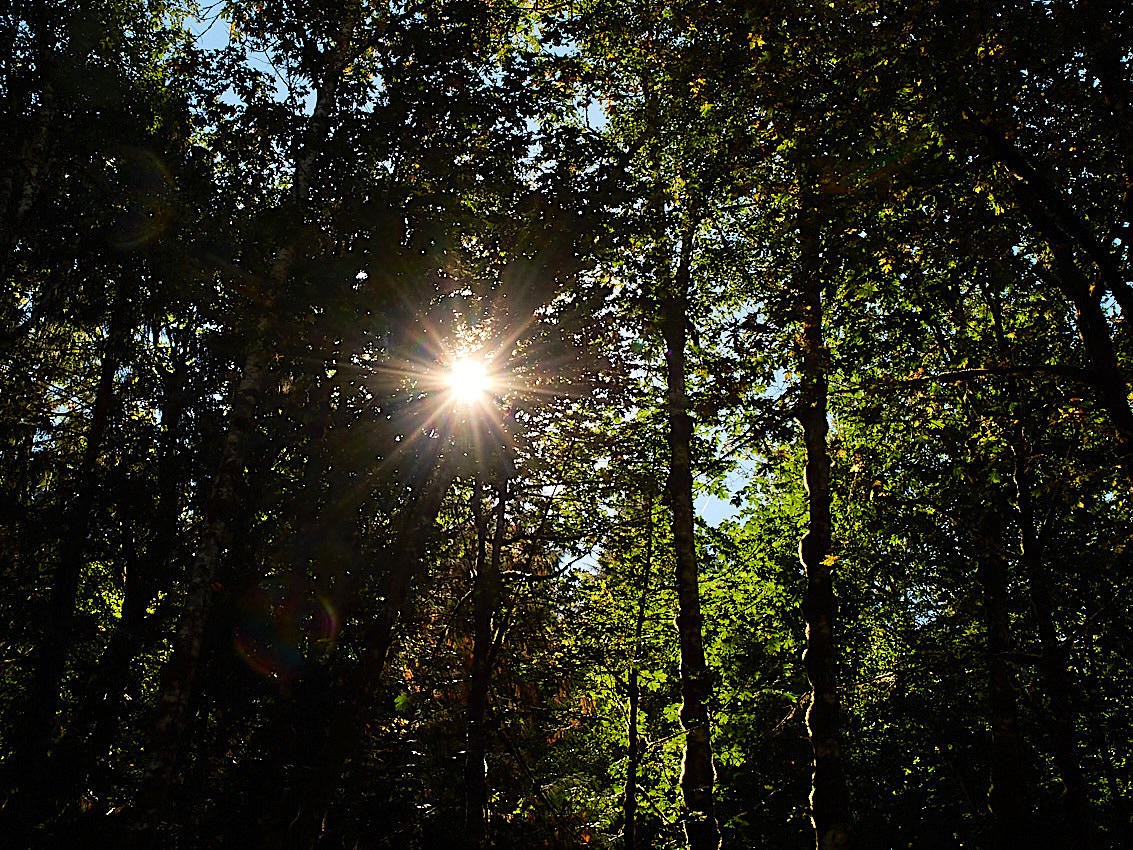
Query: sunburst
x=468 y=380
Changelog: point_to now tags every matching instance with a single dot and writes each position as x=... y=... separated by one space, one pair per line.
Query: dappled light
x=369 y=373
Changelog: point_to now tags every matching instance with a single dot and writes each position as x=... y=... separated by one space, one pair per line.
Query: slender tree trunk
x=698 y=774
x=403 y=557
x=180 y=671
x=486 y=604
x=829 y=800
x=1056 y=223
x=65 y=587
x=324 y=546
x=1111 y=385
x=107 y=688
x=1005 y=795
x=28 y=167
x=1053 y=662
x=1052 y=215
x=225 y=492
x=84 y=755
x=31 y=768
x=476 y=797
x=633 y=759
x=1094 y=331
x=21 y=184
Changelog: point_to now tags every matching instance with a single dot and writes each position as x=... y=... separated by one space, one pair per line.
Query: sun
x=468 y=380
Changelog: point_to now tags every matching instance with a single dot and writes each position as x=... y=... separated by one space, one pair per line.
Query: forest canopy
x=615 y=423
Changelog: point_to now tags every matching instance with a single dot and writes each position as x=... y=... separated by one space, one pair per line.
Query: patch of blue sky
x=211 y=31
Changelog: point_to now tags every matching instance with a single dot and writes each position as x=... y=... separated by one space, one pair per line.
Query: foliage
x=233 y=280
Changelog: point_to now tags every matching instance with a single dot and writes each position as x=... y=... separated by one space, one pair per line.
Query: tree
x=854 y=276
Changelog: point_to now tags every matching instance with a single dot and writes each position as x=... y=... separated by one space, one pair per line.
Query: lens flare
x=468 y=380
x=282 y=627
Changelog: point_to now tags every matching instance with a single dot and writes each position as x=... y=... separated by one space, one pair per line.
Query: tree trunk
x=106 y=701
x=310 y=800
x=1053 y=661
x=486 y=596
x=697 y=773
x=1106 y=376
x=633 y=758
x=324 y=547
x=180 y=671
x=21 y=185
x=829 y=799
x=1052 y=215
x=81 y=761
x=31 y=766
x=1005 y=794
x=1057 y=224
x=224 y=496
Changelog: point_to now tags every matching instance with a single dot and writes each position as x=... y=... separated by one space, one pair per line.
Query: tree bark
x=22 y=182
x=311 y=799
x=486 y=604
x=81 y=761
x=697 y=772
x=829 y=799
x=633 y=758
x=32 y=766
x=1093 y=328
x=1054 y=658
x=1053 y=661
x=1063 y=231
x=224 y=496
x=1005 y=794
x=1051 y=213
x=106 y=700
